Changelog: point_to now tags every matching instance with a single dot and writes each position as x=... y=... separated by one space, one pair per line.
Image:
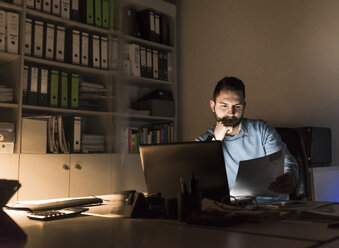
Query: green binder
x=74 y=91
x=90 y=12
x=43 y=87
x=64 y=90
x=54 y=88
x=105 y=14
x=98 y=13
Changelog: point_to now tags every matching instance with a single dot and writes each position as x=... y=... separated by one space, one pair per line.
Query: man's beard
x=229 y=122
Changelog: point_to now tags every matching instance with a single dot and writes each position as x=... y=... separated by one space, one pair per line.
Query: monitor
x=164 y=164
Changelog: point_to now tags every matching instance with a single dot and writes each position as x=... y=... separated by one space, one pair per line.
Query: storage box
x=34 y=136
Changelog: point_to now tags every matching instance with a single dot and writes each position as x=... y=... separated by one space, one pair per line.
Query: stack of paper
x=6 y=94
x=92 y=96
x=92 y=143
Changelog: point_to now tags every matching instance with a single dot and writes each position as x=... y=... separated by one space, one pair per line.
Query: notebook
x=164 y=164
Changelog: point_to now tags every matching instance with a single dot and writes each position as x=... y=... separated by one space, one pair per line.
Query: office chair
x=295 y=145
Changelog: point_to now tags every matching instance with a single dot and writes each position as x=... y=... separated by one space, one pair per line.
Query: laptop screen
x=164 y=164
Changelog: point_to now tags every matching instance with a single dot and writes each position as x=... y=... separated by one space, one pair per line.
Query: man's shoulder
x=255 y=124
x=204 y=136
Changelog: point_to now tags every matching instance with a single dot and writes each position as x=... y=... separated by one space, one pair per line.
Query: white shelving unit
x=120 y=89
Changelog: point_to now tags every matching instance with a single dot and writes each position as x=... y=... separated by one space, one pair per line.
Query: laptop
x=165 y=164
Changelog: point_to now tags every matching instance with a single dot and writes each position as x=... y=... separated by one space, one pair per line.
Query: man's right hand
x=221 y=131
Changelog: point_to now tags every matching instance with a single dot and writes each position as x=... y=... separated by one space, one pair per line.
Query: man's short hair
x=229 y=83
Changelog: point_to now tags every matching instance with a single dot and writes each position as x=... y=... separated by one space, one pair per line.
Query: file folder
x=96 y=51
x=160 y=65
x=147 y=24
x=105 y=14
x=84 y=48
x=47 y=6
x=65 y=11
x=53 y=88
x=38 y=5
x=149 y=62
x=43 y=87
x=33 y=86
x=165 y=64
x=115 y=53
x=103 y=45
x=38 y=38
x=126 y=59
x=135 y=59
x=30 y=4
x=164 y=30
x=89 y=12
x=156 y=27
x=143 y=62
x=12 y=32
x=28 y=37
x=56 y=7
x=25 y=85
x=63 y=90
x=97 y=13
x=74 y=91
x=49 y=41
x=75 y=12
x=60 y=44
x=73 y=132
x=169 y=66
x=155 y=64
x=2 y=30
x=76 y=47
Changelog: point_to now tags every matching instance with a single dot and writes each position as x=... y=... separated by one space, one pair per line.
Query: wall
x=286 y=52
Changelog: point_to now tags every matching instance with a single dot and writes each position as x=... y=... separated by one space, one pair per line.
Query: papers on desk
x=255 y=175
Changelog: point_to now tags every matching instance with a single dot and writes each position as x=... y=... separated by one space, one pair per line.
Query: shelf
x=76 y=68
x=66 y=111
x=129 y=38
x=8 y=57
x=145 y=117
x=143 y=81
x=68 y=22
x=10 y=6
x=9 y=105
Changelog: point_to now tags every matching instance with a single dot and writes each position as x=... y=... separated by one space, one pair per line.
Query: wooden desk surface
x=93 y=231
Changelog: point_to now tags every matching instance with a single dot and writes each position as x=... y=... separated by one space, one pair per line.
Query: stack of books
x=92 y=143
x=6 y=94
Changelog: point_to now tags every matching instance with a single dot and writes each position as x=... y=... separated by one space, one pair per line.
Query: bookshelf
x=121 y=90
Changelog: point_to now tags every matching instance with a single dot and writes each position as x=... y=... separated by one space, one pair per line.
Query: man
x=244 y=139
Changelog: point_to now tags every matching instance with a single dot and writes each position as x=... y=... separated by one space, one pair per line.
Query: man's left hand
x=283 y=184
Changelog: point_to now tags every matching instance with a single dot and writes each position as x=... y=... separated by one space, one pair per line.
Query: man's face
x=229 y=108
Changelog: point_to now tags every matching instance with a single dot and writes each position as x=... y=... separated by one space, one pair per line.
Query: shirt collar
x=243 y=127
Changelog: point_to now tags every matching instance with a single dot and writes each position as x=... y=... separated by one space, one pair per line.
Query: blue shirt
x=255 y=138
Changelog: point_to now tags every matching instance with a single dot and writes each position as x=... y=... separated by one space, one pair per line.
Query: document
x=38 y=38
x=28 y=37
x=2 y=29
x=12 y=32
x=255 y=175
x=49 y=41
x=56 y=7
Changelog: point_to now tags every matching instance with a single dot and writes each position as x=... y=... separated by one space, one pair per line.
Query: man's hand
x=221 y=131
x=283 y=184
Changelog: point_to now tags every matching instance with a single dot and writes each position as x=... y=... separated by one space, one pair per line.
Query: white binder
x=34 y=81
x=65 y=8
x=115 y=54
x=49 y=47
x=76 y=47
x=104 y=62
x=96 y=51
x=47 y=6
x=77 y=134
x=135 y=59
x=2 y=30
x=38 y=38
x=60 y=43
x=12 y=32
x=56 y=7
x=84 y=48
x=28 y=37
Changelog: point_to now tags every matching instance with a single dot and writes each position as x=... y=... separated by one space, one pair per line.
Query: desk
x=94 y=231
